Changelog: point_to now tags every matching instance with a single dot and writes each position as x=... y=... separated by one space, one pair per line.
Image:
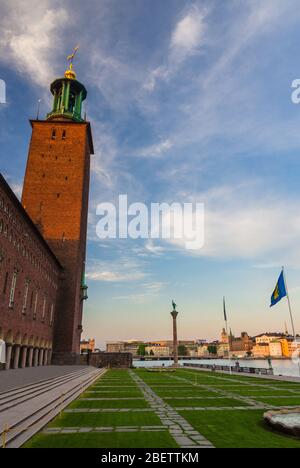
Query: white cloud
x=244 y=224
x=30 y=33
x=186 y=39
x=123 y=270
x=156 y=150
x=188 y=32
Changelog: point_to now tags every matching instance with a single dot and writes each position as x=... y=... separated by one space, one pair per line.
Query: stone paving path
x=107 y=410
x=75 y=430
x=111 y=399
x=183 y=433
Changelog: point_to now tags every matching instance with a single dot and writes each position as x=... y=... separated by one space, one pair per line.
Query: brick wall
x=25 y=254
x=118 y=360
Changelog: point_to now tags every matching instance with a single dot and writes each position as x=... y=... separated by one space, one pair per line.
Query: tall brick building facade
x=50 y=226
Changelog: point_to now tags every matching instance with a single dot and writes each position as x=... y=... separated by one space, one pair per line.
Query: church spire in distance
x=68 y=95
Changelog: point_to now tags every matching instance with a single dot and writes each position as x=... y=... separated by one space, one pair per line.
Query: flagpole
x=291 y=315
x=226 y=327
x=289 y=304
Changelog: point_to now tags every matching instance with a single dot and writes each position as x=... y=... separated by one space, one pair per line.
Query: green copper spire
x=68 y=95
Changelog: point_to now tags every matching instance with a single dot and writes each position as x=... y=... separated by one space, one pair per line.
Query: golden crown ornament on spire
x=70 y=72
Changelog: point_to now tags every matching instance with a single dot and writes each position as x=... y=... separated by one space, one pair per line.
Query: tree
x=212 y=349
x=182 y=351
x=142 y=350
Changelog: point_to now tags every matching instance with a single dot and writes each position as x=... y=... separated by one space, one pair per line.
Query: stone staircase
x=26 y=410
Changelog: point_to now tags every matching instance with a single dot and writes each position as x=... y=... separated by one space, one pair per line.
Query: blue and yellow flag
x=280 y=290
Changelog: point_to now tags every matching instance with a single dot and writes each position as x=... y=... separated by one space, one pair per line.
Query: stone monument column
x=174 y=314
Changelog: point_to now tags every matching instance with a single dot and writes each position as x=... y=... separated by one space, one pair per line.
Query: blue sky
x=189 y=101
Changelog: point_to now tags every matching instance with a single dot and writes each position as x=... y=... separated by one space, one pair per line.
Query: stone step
x=22 y=388
x=22 y=396
x=33 y=415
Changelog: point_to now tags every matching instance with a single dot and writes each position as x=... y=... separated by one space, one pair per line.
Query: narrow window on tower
x=64 y=135
x=53 y=134
x=12 y=290
x=35 y=305
x=25 y=297
x=51 y=315
x=31 y=299
x=44 y=310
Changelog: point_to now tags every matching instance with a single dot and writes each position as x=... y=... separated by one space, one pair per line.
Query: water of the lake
x=281 y=367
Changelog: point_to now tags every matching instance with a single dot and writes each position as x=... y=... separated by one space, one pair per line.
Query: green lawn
x=98 y=440
x=109 y=404
x=112 y=393
x=147 y=418
x=288 y=401
x=238 y=429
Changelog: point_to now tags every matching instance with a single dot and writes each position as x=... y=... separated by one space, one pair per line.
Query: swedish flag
x=280 y=290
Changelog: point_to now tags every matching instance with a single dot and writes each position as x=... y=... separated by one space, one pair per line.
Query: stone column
x=41 y=357
x=8 y=356
x=45 y=357
x=16 y=357
x=49 y=356
x=30 y=357
x=174 y=314
x=36 y=357
x=23 y=357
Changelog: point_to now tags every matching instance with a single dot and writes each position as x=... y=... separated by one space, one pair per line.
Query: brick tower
x=55 y=195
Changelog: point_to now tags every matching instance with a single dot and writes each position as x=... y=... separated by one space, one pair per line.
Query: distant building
x=131 y=346
x=268 y=337
x=158 y=350
x=224 y=337
x=286 y=347
x=242 y=345
x=223 y=350
x=159 y=347
x=261 y=350
x=87 y=346
x=275 y=349
x=203 y=351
